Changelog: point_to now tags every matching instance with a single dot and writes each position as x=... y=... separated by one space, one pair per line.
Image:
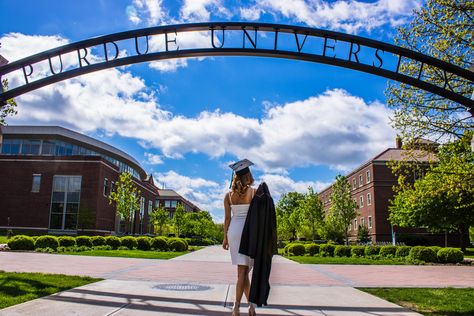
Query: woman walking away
x=236 y=205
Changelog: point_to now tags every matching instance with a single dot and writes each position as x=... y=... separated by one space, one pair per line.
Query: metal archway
x=338 y=49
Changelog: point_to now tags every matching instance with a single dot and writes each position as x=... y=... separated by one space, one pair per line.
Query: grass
x=3 y=239
x=128 y=254
x=469 y=253
x=344 y=260
x=429 y=302
x=17 y=288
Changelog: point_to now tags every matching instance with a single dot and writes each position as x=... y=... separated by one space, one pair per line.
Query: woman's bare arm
x=225 y=243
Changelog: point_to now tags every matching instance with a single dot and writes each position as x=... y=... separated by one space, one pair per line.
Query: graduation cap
x=241 y=167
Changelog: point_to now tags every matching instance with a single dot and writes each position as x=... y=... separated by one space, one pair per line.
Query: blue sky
x=185 y=120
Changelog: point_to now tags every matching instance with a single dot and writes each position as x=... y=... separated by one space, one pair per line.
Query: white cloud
x=150 y=10
x=348 y=15
x=200 y=10
x=279 y=184
x=154 y=159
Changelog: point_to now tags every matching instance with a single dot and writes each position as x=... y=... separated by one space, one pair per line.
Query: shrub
x=143 y=243
x=357 y=251
x=104 y=247
x=83 y=241
x=327 y=250
x=372 y=250
x=67 y=241
x=45 y=250
x=388 y=251
x=83 y=248
x=123 y=248
x=296 y=249
x=159 y=243
x=21 y=242
x=177 y=244
x=98 y=241
x=425 y=254
x=435 y=248
x=47 y=242
x=129 y=242
x=113 y=241
x=450 y=255
x=342 y=251
x=402 y=251
x=311 y=249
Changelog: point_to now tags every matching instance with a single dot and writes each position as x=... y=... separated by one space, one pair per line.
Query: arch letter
x=379 y=58
x=246 y=34
x=171 y=41
x=137 y=49
x=29 y=73
x=298 y=42
x=331 y=47
x=106 y=53
x=212 y=38
x=81 y=58
x=51 y=65
x=352 y=52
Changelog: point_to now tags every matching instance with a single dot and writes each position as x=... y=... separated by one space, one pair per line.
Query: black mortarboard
x=241 y=167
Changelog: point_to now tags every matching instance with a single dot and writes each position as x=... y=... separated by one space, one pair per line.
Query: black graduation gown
x=259 y=241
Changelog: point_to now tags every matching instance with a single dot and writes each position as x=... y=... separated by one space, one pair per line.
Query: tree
x=178 y=219
x=343 y=208
x=443 y=29
x=443 y=200
x=312 y=212
x=289 y=215
x=198 y=224
x=9 y=108
x=363 y=234
x=160 y=217
x=126 y=198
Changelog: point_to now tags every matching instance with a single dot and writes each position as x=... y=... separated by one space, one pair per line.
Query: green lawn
x=342 y=260
x=3 y=239
x=128 y=254
x=430 y=302
x=17 y=288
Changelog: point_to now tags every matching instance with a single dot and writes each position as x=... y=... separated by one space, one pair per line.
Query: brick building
x=372 y=188
x=54 y=180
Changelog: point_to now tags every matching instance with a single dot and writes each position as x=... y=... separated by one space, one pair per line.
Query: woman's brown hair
x=240 y=184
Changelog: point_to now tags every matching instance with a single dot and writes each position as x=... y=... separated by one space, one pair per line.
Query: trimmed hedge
x=311 y=249
x=372 y=250
x=388 y=251
x=67 y=241
x=83 y=241
x=327 y=250
x=342 y=251
x=422 y=253
x=47 y=242
x=450 y=255
x=143 y=243
x=177 y=244
x=113 y=241
x=357 y=251
x=296 y=249
x=21 y=242
x=98 y=241
x=129 y=242
x=403 y=251
x=159 y=243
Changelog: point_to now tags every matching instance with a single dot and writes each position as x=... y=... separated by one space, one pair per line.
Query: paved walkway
x=202 y=283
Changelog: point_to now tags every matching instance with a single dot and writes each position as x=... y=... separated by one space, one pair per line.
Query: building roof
x=69 y=134
x=168 y=193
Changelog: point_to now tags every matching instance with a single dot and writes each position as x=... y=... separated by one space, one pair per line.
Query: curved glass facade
x=48 y=147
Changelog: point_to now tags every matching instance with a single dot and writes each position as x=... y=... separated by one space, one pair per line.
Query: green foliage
x=160 y=218
x=126 y=197
x=343 y=208
x=198 y=224
x=179 y=219
x=388 y=251
x=143 y=243
x=311 y=249
x=47 y=242
x=159 y=243
x=289 y=215
x=342 y=251
x=129 y=242
x=326 y=250
x=450 y=255
x=363 y=234
x=403 y=251
x=9 y=108
x=372 y=250
x=425 y=254
x=312 y=212
x=123 y=248
x=103 y=247
x=442 y=29
x=296 y=249
x=113 y=241
x=21 y=242
x=67 y=241
x=83 y=241
x=177 y=244
x=357 y=251
x=98 y=241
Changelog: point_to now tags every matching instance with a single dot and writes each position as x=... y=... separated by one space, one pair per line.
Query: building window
x=112 y=186
x=174 y=204
x=48 y=148
x=65 y=200
x=31 y=147
x=355 y=225
x=354 y=183
x=369 y=221
x=106 y=186
x=167 y=203
x=368 y=176
x=11 y=146
x=362 y=221
x=361 y=201
x=150 y=207
x=369 y=199
x=35 y=187
x=360 y=180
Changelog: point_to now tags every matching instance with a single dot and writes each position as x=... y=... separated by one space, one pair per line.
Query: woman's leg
x=247 y=286
x=242 y=274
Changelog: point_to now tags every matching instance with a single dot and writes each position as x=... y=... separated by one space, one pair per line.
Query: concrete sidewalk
x=202 y=283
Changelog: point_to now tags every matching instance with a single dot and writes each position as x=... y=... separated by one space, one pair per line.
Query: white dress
x=234 y=234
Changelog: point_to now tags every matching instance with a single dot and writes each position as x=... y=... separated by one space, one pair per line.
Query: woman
x=236 y=203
